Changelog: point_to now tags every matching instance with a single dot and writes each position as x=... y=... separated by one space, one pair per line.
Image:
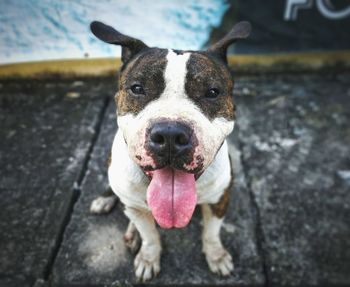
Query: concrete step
x=288 y=220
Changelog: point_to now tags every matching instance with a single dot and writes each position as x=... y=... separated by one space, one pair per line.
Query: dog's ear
x=130 y=46
x=239 y=31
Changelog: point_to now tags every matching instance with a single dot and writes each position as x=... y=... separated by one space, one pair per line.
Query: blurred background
x=36 y=30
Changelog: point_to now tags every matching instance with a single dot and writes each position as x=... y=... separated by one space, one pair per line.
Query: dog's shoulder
x=126 y=179
x=213 y=182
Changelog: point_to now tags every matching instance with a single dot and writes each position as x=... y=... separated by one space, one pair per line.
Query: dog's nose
x=170 y=139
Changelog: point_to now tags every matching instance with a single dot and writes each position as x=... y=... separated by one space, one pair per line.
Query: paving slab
x=289 y=209
x=47 y=128
x=93 y=251
x=294 y=134
x=15 y=281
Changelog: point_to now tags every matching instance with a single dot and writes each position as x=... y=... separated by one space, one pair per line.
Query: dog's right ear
x=130 y=46
x=240 y=31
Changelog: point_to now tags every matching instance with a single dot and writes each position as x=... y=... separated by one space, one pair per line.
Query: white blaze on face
x=174 y=104
x=175 y=76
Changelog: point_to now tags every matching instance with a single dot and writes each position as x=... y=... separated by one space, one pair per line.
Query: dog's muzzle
x=171 y=143
x=171 y=194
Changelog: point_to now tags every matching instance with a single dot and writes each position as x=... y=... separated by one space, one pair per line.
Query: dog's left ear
x=130 y=45
x=239 y=31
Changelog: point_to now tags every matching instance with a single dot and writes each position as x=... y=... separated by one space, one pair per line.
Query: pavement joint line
x=260 y=240
x=76 y=192
x=97 y=130
x=64 y=224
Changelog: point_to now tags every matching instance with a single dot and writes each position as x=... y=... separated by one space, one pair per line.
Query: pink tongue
x=172 y=197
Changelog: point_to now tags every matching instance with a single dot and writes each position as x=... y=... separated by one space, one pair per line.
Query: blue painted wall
x=59 y=29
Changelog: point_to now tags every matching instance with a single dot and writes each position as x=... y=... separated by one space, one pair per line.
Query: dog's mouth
x=172 y=196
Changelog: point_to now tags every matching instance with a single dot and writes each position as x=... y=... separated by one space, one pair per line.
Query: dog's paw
x=147 y=262
x=132 y=239
x=219 y=260
x=103 y=204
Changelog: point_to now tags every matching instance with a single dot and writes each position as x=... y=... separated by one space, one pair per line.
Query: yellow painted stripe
x=109 y=66
x=291 y=61
x=85 y=67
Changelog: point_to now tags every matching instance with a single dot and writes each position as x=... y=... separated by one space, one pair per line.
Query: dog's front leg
x=219 y=260
x=147 y=261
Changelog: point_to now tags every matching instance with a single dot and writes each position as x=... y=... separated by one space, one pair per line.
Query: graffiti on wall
x=325 y=7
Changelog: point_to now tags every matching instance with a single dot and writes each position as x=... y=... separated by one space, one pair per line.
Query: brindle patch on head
x=205 y=72
x=147 y=70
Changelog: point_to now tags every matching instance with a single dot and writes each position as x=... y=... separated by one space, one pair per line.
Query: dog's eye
x=137 y=89
x=212 y=93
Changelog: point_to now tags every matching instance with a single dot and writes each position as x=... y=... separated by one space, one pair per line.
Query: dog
x=175 y=109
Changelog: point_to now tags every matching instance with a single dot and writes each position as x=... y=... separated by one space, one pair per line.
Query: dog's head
x=175 y=108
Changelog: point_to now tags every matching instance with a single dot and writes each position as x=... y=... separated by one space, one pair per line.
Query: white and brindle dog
x=174 y=110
